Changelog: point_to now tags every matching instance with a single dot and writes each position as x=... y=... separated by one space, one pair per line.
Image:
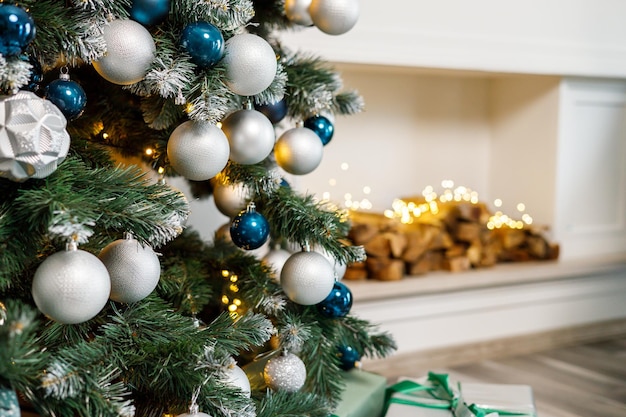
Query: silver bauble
x=338 y=267
x=285 y=373
x=236 y=377
x=71 y=286
x=250 y=135
x=307 y=278
x=297 y=11
x=334 y=17
x=33 y=139
x=250 y=64
x=134 y=269
x=275 y=259
x=130 y=50
x=299 y=151
x=197 y=150
x=230 y=199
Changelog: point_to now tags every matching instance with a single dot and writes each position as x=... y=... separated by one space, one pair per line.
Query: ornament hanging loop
x=247 y=104
x=65 y=73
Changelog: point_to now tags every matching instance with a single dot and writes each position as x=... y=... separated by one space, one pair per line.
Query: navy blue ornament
x=149 y=12
x=203 y=42
x=284 y=183
x=275 y=112
x=36 y=74
x=348 y=357
x=67 y=95
x=249 y=229
x=17 y=29
x=338 y=303
x=321 y=126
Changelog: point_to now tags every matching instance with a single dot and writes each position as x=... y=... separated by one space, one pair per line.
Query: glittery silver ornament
x=236 y=377
x=307 y=278
x=250 y=134
x=33 y=139
x=71 y=286
x=299 y=151
x=297 y=11
x=285 y=373
x=250 y=64
x=130 y=50
x=230 y=199
x=334 y=17
x=275 y=259
x=134 y=269
x=197 y=150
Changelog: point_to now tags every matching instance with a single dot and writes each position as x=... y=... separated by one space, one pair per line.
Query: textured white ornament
x=285 y=373
x=338 y=267
x=130 y=51
x=33 y=139
x=71 y=286
x=334 y=17
x=250 y=135
x=275 y=259
x=250 y=64
x=230 y=199
x=134 y=269
x=299 y=151
x=297 y=11
x=307 y=278
x=236 y=377
x=197 y=150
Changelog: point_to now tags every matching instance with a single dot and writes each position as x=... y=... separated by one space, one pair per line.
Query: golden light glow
x=149 y=151
x=161 y=170
x=234 y=288
x=225 y=273
x=521 y=207
x=225 y=299
x=105 y=135
x=367 y=190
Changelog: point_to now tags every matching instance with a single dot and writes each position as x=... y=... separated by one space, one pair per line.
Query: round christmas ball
x=203 y=42
x=149 y=12
x=236 y=377
x=230 y=199
x=68 y=96
x=36 y=75
x=349 y=357
x=249 y=230
x=17 y=29
x=71 y=286
x=250 y=64
x=33 y=139
x=334 y=17
x=322 y=128
x=134 y=269
x=307 y=278
x=338 y=303
x=297 y=11
x=194 y=414
x=275 y=112
x=299 y=151
x=338 y=267
x=285 y=373
x=250 y=135
x=198 y=150
x=275 y=259
x=130 y=50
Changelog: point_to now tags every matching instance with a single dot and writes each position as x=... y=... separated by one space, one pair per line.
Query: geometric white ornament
x=33 y=139
x=250 y=64
x=307 y=278
x=334 y=17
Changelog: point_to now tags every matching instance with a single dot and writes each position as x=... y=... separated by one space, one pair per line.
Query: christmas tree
x=110 y=304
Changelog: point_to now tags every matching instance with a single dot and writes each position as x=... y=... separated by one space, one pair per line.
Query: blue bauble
x=17 y=29
x=284 y=183
x=68 y=96
x=321 y=126
x=249 y=230
x=149 y=12
x=275 y=112
x=36 y=75
x=348 y=357
x=338 y=302
x=203 y=42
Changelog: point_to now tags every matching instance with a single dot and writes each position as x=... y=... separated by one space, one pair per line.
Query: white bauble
x=71 y=286
x=297 y=11
x=230 y=199
x=130 y=51
x=299 y=151
x=33 y=139
x=275 y=259
x=134 y=269
x=334 y=17
x=197 y=150
x=250 y=64
x=338 y=267
x=307 y=278
x=285 y=373
x=236 y=377
x=194 y=414
x=250 y=135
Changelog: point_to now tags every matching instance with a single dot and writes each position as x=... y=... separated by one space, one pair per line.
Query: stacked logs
x=455 y=239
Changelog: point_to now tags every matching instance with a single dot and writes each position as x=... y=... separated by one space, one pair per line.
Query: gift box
x=363 y=396
x=437 y=396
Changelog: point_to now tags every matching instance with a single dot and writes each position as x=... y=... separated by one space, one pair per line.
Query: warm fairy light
x=237 y=302
x=367 y=190
x=234 y=288
x=521 y=207
x=225 y=273
x=232 y=308
x=149 y=151
x=332 y=182
x=219 y=124
x=234 y=278
x=225 y=299
x=105 y=135
x=161 y=170
x=325 y=196
x=345 y=166
x=497 y=202
x=527 y=219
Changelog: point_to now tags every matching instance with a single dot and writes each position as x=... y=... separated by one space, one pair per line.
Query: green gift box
x=363 y=396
